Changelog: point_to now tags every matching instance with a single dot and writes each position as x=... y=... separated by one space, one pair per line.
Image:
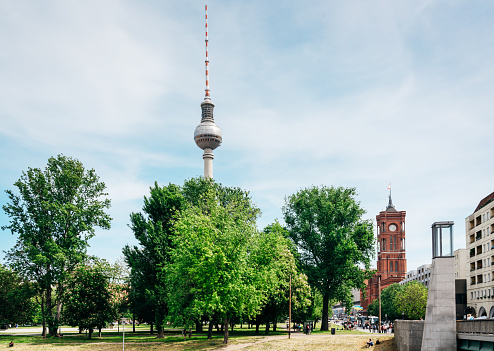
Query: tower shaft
x=208 y=162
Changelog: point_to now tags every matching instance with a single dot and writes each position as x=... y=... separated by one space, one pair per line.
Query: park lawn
x=303 y=343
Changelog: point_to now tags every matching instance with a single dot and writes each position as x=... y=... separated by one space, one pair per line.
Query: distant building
x=422 y=275
x=479 y=227
x=461 y=266
x=391 y=257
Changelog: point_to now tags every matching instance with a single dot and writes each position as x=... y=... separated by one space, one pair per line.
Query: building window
x=396 y=266
x=391 y=266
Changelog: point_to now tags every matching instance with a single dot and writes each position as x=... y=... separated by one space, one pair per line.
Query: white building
x=461 y=266
x=421 y=274
x=479 y=228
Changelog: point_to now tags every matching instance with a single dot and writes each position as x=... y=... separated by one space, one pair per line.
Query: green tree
x=335 y=244
x=153 y=229
x=411 y=300
x=88 y=300
x=373 y=308
x=54 y=216
x=273 y=255
x=210 y=271
x=17 y=304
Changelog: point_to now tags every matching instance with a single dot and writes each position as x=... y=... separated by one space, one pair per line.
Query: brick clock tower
x=391 y=256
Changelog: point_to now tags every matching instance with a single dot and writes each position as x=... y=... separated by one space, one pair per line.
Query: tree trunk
x=99 y=332
x=49 y=307
x=210 y=330
x=80 y=330
x=59 y=307
x=43 y=319
x=160 y=332
x=90 y=333
x=274 y=326
x=315 y=322
x=257 y=324
x=133 y=321
x=226 y=329
x=266 y=331
x=198 y=326
x=325 y=312
x=231 y=326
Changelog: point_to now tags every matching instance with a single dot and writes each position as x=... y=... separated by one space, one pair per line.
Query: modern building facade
x=391 y=257
x=422 y=275
x=479 y=228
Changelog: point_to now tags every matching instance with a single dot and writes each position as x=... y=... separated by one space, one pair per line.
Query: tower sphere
x=207 y=133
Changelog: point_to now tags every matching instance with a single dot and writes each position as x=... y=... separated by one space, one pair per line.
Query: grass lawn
x=244 y=339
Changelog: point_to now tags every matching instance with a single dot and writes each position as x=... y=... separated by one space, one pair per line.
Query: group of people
x=371 y=343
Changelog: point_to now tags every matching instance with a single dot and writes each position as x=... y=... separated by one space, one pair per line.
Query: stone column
x=440 y=318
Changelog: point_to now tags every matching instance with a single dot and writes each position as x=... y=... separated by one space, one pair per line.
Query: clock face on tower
x=392 y=227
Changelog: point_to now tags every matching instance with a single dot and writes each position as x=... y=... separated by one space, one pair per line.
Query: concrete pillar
x=440 y=316
x=208 y=162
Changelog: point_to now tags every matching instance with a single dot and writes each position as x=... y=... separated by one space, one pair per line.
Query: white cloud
x=336 y=93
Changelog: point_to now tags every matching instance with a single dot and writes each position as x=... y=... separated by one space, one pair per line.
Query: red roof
x=485 y=201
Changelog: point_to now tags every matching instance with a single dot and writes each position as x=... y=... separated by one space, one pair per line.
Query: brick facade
x=391 y=256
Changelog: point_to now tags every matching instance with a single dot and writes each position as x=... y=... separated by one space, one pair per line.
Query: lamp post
x=123 y=333
x=290 y=308
x=379 y=287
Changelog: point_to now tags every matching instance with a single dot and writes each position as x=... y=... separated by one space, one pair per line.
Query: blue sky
x=344 y=93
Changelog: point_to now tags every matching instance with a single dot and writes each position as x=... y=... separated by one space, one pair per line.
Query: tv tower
x=207 y=134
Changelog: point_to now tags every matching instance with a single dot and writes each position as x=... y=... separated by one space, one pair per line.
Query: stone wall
x=408 y=335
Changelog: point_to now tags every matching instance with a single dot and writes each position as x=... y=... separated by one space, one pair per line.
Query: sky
x=307 y=93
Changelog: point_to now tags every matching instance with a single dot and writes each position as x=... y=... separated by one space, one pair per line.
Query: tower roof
x=390 y=207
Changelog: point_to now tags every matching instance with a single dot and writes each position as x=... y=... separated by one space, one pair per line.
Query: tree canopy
x=334 y=242
x=412 y=300
x=199 y=201
x=210 y=271
x=54 y=215
x=388 y=303
x=17 y=304
x=88 y=300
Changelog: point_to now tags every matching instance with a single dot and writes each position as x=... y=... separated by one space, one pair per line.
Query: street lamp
x=123 y=333
x=403 y=315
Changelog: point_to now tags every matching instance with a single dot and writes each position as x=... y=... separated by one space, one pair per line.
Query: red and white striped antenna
x=207 y=97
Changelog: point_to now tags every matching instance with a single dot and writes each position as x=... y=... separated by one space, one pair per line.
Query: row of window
x=480 y=279
x=480 y=294
x=395 y=244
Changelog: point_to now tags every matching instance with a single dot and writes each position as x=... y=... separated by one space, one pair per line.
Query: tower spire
x=390 y=206
x=207 y=97
x=207 y=134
